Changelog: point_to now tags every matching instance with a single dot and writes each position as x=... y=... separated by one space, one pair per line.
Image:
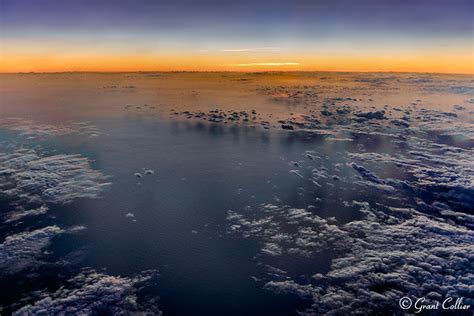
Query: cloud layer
x=92 y=293
x=34 y=130
x=20 y=251
x=35 y=178
x=411 y=205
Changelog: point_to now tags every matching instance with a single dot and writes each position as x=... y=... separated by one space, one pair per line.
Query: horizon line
x=231 y=71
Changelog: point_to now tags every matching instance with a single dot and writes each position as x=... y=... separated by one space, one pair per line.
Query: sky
x=237 y=35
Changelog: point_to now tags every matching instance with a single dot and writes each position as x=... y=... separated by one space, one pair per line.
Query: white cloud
x=91 y=292
x=35 y=130
x=21 y=213
x=21 y=250
x=29 y=176
x=389 y=253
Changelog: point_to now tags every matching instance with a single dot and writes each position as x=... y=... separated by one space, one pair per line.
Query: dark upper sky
x=300 y=27
x=453 y=17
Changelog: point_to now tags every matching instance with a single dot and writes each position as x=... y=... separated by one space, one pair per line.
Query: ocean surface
x=235 y=194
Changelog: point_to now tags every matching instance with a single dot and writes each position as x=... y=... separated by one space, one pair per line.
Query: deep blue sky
x=453 y=17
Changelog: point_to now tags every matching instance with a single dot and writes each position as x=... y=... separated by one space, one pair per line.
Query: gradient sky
x=246 y=35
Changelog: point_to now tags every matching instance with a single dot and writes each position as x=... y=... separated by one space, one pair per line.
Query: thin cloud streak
x=264 y=64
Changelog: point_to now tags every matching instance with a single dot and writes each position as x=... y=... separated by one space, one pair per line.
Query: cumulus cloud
x=418 y=256
x=20 y=213
x=416 y=241
x=25 y=249
x=32 y=129
x=32 y=177
x=284 y=230
x=388 y=254
x=422 y=249
x=20 y=251
x=439 y=171
x=92 y=293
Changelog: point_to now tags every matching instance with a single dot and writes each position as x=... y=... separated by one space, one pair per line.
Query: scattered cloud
x=21 y=212
x=416 y=241
x=28 y=176
x=21 y=250
x=25 y=249
x=34 y=130
x=389 y=253
x=91 y=292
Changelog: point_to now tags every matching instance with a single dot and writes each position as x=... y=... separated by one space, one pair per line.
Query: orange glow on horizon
x=37 y=62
